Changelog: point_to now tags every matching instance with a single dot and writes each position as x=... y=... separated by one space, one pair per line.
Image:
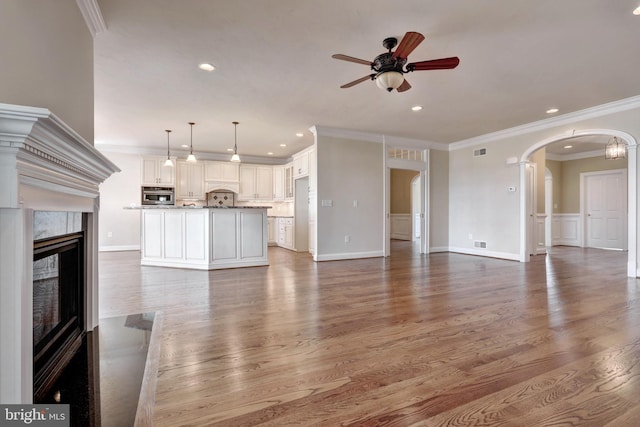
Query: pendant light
x=168 y=162
x=615 y=149
x=191 y=157
x=235 y=158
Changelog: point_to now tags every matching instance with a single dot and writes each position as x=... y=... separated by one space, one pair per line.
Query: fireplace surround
x=44 y=166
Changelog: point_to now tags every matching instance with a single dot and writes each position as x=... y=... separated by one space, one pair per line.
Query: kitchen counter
x=194 y=207
x=203 y=237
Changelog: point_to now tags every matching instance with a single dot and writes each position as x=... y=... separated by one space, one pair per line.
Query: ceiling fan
x=390 y=67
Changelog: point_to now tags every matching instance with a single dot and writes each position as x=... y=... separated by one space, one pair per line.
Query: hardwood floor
x=410 y=340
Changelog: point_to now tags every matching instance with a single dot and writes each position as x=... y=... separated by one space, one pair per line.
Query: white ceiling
x=275 y=74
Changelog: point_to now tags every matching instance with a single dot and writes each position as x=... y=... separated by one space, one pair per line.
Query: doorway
x=632 y=223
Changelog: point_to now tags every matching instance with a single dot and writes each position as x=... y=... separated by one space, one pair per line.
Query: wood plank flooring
x=411 y=340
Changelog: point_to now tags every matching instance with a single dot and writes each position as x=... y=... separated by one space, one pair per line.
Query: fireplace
x=58 y=297
x=45 y=166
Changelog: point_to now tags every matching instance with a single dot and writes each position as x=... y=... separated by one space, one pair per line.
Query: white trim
x=396 y=141
x=485 y=253
x=120 y=248
x=348 y=255
x=435 y=249
x=576 y=156
x=566 y=229
x=565 y=119
x=92 y=15
x=401 y=226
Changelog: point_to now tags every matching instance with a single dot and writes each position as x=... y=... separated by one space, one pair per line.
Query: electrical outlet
x=347 y=238
x=109 y=234
x=470 y=236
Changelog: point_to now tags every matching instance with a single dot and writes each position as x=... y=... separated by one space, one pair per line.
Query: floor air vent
x=479 y=244
x=480 y=152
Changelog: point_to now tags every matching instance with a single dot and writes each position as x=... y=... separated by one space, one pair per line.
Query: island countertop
x=193 y=207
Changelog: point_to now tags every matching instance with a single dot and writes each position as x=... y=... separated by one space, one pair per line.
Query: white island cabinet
x=204 y=238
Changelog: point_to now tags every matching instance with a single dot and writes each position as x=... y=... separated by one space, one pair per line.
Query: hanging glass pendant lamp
x=191 y=157
x=235 y=158
x=615 y=149
x=168 y=162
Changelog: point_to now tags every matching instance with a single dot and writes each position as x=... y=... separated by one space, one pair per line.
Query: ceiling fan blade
x=434 y=64
x=351 y=59
x=410 y=41
x=355 y=82
x=405 y=86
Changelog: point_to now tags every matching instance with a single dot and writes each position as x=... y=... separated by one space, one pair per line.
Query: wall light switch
x=355 y=203
x=327 y=203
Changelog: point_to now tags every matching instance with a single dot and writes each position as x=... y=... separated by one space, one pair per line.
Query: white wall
x=120 y=190
x=439 y=200
x=47 y=60
x=349 y=170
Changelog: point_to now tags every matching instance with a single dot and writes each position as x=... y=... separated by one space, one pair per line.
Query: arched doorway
x=526 y=196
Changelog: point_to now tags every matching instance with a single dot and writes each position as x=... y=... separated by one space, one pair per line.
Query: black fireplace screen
x=58 y=286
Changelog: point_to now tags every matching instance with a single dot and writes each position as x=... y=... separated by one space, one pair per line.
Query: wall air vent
x=480 y=152
x=479 y=244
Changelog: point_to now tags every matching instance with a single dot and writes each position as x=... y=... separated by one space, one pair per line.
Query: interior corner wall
x=438 y=200
x=47 y=60
x=119 y=227
x=539 y=158
x=349 y=173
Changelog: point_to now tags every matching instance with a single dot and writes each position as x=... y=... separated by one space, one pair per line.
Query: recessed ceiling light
x=636 y=11
x=552 y=110
x=184 y=146
x=299 y=134
x=229 y=149
x=270 y=153
x=416 y=108
x=283 y=145
x=568 y=146
x=206 y=67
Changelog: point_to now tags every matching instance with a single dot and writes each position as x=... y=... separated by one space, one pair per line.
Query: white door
x=605 y=206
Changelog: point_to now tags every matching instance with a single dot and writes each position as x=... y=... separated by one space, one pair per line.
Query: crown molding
x=92 y=15
x=396 y=141
x=575 y=156
x=587 y=113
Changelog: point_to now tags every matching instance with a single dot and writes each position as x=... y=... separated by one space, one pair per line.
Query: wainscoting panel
x=401 y=226
x=566 y=229
x=541 y=248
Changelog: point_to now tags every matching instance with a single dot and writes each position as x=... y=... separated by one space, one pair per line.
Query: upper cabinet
x=256 y=182
x=278 y=183
x=190 y=178
x=288 y=181
x=300 y=165
x=222 y=171
x=155 y=173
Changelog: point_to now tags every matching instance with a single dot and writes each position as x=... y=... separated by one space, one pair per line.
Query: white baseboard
x=119 y=248
x=348 y=255
x=438 y=249
x=490 y=254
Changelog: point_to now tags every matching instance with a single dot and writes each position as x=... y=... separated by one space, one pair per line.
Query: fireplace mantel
x=44 y=165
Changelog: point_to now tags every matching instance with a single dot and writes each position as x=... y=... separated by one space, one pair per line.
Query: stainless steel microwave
x=158 y=196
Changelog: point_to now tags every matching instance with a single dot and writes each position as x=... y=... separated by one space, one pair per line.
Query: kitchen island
x=204 y=237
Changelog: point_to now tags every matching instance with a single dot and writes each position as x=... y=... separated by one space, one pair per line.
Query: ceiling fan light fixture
x=615 y=149
x=389 y=80
x=235 y=158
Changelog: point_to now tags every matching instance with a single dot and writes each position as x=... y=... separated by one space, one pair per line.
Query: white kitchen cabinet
x=256 y=182
x=272 y=238
x=190 y=180
x=300 y=165
x=288 y=181
x=278 y=183
x=221 y=171
x=285 y=232
x=164 y=237
x=154 y=172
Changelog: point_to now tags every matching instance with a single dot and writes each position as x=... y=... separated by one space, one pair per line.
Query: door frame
x=632 y=176
x=416 y=165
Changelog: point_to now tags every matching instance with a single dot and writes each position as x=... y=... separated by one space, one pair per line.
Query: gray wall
x=47 y=60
